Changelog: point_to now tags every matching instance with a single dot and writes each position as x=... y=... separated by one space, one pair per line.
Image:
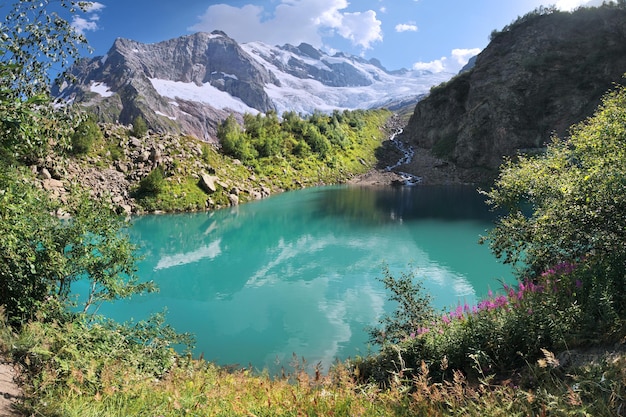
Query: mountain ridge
x=537 y=77
x=188 y=85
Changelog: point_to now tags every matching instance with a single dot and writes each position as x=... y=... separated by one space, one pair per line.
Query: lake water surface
x=298 y=272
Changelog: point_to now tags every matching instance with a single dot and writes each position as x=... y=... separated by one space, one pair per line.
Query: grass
x=198 y=388
x=82 y=367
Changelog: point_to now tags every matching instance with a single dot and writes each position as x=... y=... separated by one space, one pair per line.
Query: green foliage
x=152 y=184
x=42 y=256
x=31 y=258
x=35 y=37
x=569 y=206
x=413 y=309
x=140 y=128
x=233 y=140
x=501 y=333
x=576 y=194
x=99 y=250
x=85 y=135
x=28 y=124
x=264 y=136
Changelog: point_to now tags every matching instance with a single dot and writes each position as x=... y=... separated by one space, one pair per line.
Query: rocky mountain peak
x=191 y=83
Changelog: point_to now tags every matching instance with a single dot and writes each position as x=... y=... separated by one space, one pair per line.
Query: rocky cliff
x=538 y=76
x=190 y=84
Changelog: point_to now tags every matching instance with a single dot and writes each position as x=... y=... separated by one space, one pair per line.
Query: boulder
x=156 y=157
x=207 y=183
x=52 y=184
x=45 y=174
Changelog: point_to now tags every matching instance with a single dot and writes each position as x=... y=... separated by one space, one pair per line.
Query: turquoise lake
x=298 y=272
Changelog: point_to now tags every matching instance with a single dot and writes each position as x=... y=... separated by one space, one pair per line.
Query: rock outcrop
x=537 y=77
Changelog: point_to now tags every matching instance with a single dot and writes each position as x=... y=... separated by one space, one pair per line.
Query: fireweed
x=499 y=333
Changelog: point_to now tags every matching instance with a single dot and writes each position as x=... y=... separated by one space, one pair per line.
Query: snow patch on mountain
x=101 y=89
x=204 y=93
x=306 y=95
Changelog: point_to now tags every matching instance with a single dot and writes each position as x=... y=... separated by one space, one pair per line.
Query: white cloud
x=452 y=64
x=90 y=22
x=437 y=65
x=293 y=21
x=81 y=25
x=406 y=27
x=94 y=7
x=462 y=56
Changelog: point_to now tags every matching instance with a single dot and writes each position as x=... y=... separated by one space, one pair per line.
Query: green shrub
x=86 y=134
x=152 y=184
x=140 y=128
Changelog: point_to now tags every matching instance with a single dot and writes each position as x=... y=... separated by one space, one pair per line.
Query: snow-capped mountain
x=190 y=84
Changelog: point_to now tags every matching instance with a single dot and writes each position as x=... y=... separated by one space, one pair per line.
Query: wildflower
x=501 y=301
x=445 y=319
x=457 y=313
x=578 y=283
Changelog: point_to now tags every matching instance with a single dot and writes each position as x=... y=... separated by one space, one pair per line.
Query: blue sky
x=439 y=35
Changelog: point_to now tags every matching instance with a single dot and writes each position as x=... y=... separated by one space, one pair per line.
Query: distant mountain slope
x=189 y=84
x=538 y=76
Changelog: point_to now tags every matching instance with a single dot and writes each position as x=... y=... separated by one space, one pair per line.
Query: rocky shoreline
x=115 y=172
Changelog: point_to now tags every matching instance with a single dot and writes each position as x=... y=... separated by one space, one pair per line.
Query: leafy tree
x=569 y=206
x=414 y=309
x=233 y=140
x=98 y=250
x=35 y=40
x=318 y=142
x=42 y=256
x=576 y=193
x=292 y=123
